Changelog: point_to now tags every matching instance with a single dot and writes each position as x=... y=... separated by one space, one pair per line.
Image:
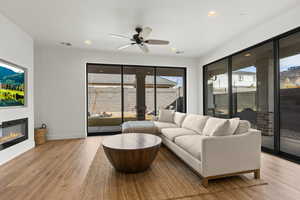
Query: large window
x=216 y=80
x=104 y=98
x=253 y=91
x=260 y=84
x=289 y=54
x=170 y=89
x=138 y=93
x=117 y=93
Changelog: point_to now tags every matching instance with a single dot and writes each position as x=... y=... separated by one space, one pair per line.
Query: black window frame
x=228 y=63
x=275 y=40
x=122 y=66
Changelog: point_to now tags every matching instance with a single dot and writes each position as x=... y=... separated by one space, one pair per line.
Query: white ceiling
x=185 y=23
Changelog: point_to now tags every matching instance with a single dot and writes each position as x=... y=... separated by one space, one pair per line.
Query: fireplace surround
x=13 y=132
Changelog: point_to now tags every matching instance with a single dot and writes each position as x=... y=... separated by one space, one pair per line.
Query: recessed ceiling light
x=88 y=42
x=248 y=54
x=212 y=13
x=66 y=44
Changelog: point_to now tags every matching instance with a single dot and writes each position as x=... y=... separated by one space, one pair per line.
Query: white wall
x=276 y=26
x=60 y=93
x=17 y=47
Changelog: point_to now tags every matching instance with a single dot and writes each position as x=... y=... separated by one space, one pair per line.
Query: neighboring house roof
x=112 y=79
x=292 y=72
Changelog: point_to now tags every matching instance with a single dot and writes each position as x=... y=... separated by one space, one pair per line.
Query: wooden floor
x=57 y=170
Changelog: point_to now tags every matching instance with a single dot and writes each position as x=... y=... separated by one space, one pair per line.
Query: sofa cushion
x=172 y=133
x=220 y=127
x=191 y=144
x=166 y=116
x=233 y=125
x=178 y=118
x=243 y=127
x=161 y=125
x=195 y=122
x=215 y=126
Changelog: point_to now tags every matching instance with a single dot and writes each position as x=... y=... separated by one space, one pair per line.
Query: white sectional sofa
x=212 y=147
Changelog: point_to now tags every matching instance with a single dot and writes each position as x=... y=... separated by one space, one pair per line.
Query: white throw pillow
x=215 y=126
x=195 y=122
x=220 y=127
x=233 y=125
x=166 y=116
x=178 y=118
x=243 y=127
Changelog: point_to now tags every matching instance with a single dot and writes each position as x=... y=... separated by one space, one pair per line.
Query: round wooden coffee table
x=132 y=152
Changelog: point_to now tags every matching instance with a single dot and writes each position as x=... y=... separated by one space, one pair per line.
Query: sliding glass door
x=260 y=84
x=253 y=90
x=243 y=86
x=170 y=89
x=117 y=93
x=216 y=89
x=104 y=98
x=289 y=54
x=138 y=93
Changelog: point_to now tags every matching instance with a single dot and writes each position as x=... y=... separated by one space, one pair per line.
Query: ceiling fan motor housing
x=137 y=39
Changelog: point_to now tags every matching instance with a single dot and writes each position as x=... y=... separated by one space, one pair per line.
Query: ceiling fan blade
x=144 y=48
x=119 y=36
x=145 y=32
x=125 y=46
x=157 y=42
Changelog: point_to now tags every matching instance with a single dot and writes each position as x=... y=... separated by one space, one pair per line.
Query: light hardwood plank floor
x=57 y=170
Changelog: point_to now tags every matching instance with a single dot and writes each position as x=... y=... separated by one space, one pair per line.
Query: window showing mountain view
x=12 y=85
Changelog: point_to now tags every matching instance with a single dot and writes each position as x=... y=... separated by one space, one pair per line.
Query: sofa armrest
x=229 y=154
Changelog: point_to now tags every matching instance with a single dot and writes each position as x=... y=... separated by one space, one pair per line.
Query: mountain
x=15 y=79
x=5 y=72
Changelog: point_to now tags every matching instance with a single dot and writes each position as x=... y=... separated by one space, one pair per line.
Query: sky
x=176 y=79
x=15 y=69
x=292 y=61
x=248 y=69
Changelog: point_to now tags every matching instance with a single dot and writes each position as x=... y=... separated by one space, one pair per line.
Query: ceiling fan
x=141 y=39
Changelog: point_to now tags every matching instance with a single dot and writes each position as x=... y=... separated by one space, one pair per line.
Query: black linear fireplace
x=13 y=132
